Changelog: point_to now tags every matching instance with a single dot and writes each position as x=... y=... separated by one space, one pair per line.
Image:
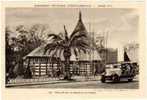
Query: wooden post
x=46 y=64
x=85 y=69
x=52 y=62
x=28 y=63
x=28 y=72
x=40 y=67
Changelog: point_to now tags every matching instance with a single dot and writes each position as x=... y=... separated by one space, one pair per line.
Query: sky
x=120 y=24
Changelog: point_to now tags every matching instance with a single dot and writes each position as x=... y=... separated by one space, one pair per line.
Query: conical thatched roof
x=80 y=27
x=93 y=53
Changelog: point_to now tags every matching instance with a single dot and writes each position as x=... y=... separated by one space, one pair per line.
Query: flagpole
x=106 y=54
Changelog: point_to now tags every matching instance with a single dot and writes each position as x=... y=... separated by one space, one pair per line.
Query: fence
x=37 y=80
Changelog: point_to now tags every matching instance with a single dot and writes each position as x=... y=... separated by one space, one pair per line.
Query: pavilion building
x=91 y=63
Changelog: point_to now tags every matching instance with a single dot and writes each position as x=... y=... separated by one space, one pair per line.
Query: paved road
x=88 y=85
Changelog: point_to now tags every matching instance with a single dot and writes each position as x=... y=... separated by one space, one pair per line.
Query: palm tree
x=64 y=44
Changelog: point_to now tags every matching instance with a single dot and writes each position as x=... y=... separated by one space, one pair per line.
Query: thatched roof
x=39 y=52
x=93 y=54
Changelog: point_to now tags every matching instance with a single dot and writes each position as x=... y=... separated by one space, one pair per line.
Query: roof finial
x=80 y=15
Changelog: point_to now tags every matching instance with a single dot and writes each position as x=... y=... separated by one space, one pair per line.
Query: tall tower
x=80 y=16
x=80 y=27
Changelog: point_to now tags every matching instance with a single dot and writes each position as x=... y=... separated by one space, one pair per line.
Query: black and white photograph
x=72 y=48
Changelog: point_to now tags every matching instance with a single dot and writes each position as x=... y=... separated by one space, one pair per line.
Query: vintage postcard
x=73 y=49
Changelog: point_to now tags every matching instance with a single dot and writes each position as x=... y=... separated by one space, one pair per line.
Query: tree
x=31 y=38
x=20 y=48
x=9 y=55
x=62 y=43
x=8 y=49
x=37 y=35
x=19 y=43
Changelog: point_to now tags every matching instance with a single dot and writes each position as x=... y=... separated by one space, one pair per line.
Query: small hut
x=41 y=64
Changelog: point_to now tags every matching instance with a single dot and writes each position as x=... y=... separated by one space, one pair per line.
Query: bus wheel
x=103 y=80
x=115 y=78
x=130 y=80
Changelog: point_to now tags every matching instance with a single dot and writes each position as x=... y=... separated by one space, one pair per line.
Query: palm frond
x=60 y=52
x=75 y=51
x=51 y=51
x=57 y=51
x=50 y=46
x=75 y=32
x=54 y=54
x=53 y=48
x=80 y=48
x=55 y=37
x=66 y=34
x=80 y=42
x=84 y=44
x=77 y=37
